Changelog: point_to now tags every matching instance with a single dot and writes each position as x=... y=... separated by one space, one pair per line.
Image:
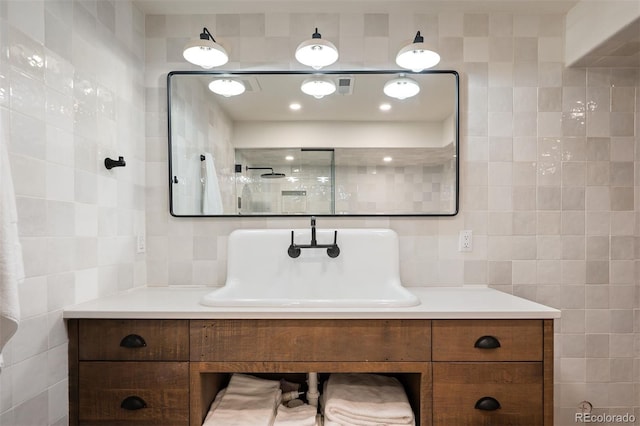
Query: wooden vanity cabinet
x=492 y=372
x=184 y=363
x=129 y=372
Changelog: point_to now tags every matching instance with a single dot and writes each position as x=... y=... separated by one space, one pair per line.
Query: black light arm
x=206 y=35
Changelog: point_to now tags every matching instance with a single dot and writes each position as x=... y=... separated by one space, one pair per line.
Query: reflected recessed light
x=289 y=158
x=387 y=159
x=295 y=106
x=323 y=179
x=385 y=107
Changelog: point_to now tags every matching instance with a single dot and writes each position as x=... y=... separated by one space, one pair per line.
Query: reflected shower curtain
x=211 y=198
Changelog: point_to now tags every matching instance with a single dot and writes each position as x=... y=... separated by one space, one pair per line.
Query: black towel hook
x=110 y=164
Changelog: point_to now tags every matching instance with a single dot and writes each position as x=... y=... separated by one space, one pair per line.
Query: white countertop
x=473 y=302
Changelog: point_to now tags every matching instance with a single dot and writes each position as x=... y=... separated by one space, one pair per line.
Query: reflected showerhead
x=270 y=175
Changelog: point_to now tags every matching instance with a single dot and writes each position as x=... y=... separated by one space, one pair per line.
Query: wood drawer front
x=310 y=340
x=457 y=388
x=520 y=340
x=164 y=340
x=164 y=387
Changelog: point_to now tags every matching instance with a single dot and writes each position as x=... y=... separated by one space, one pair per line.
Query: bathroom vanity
x=471 y=355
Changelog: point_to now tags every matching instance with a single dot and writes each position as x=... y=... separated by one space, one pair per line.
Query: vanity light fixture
x=316 y=52
x=385 y=107
x=401 y=87
x=387 y=159
x=295 y=106
x=227 y=87
x=318 y=87
x=416 y=57
x=205 y=51
x=289 y=158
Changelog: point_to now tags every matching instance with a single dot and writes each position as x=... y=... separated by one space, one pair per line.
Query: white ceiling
x=181 y=7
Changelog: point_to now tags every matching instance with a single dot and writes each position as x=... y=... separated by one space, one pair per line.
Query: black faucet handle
x=293 y=251
x=313 y=221
x=334 y=250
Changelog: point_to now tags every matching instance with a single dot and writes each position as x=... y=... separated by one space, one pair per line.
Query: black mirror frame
x=332 y=72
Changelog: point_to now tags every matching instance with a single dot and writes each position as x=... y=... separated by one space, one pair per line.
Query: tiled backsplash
x=548 y=176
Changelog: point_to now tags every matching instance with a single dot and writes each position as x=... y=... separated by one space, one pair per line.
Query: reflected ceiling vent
x=345 y=85
x=251 y=83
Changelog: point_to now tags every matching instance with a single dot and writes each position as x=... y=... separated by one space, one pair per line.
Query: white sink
x=260 y=272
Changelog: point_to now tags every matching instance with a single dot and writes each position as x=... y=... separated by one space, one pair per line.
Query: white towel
x=366 y=400
x=211 y=198
x=246 y=401
x=214 y=406
x=303 y=415
x=11 y=265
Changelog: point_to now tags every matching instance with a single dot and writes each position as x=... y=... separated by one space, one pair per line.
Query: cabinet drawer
x=134 y=340
x=162 y=386
x=466 y=340
x=310 y=340
x=458 y=388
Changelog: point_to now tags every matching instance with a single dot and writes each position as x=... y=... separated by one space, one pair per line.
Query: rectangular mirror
x=274 y=150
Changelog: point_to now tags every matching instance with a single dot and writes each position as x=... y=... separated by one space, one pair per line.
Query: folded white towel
x=214 y=406
x=303 y=415
x=366 y=400
x=11 y=264
x=246 y=401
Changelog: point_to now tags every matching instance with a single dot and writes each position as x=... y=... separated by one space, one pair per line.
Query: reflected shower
x=270 y=175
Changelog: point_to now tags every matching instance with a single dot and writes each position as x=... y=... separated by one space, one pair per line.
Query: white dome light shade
x=227 y=87
x=401 y=88
x=415 y=57
x=318 y=87
x=205 y=52
x=316 y=52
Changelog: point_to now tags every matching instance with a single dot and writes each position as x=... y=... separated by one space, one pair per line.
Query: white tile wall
x=549 y=176
x=71 y=94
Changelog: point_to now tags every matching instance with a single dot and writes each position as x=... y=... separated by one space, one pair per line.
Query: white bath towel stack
x=11 y=264
x=366 y=400
x=303 y=415
x=246 y=401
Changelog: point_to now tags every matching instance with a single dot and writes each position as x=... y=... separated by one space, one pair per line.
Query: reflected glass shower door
x=285 y=181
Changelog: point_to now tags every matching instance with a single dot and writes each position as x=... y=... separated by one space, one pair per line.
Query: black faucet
x=314 y=242
x=332 y=249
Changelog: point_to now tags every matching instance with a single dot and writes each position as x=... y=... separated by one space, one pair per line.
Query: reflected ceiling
x=268 y=98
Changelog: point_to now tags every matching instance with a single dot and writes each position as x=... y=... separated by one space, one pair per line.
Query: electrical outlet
x=465 y=243
x=141 y=244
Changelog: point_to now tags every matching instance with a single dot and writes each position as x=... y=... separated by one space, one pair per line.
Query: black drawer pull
x=487 y=342
x=486 y=403
x=133 y=403
x=133 y=341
